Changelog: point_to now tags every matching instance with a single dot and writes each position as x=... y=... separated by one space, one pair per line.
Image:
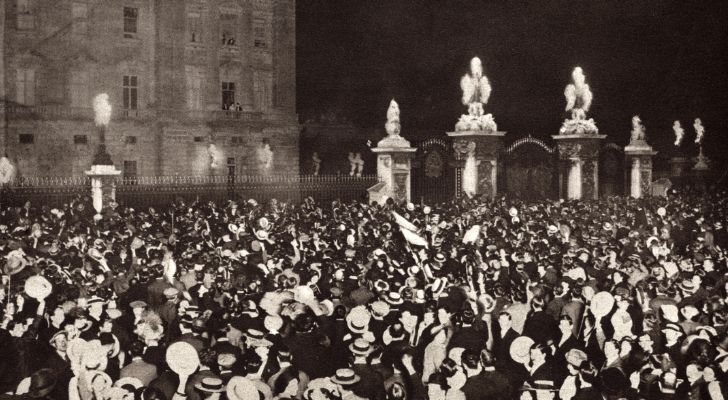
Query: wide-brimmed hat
x=358 y=320
x=539 y=385
x=211 y=385
x=576 y=357
x=393 y=298
x=360 y=347
x=345 y=376
x=130 y=382
x=380 y=308
x=520 y=349
x=239 y=388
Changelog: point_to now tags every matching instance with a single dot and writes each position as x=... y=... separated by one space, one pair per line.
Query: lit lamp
x=102 y=173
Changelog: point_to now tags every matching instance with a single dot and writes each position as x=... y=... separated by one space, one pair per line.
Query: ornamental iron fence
x=147 y=191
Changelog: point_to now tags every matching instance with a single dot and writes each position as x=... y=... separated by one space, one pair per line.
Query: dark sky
x=663 y=60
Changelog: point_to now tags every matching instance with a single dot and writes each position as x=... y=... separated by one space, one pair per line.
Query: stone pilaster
x=579 y=165
x=488 y=146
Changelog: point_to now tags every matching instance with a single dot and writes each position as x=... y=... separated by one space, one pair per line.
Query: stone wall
x=171 y=137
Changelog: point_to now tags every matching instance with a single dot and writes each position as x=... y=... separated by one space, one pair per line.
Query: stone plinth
x=103 y=185
x=638 y=156
x=487 y=148
x=394 y=166
x=579 y=165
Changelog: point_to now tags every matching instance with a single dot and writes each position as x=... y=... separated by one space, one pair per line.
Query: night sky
x=663 y=60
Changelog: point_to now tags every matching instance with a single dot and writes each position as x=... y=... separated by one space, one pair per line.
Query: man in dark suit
x=503 y=337
x=540 y=326
x=471 y=334
x=484 y=382
x=138 y=368
x=371 y=385
x=57 y=360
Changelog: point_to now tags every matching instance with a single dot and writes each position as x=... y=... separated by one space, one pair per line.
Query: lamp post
x=102 y=173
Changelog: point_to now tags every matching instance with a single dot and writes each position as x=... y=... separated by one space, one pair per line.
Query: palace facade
x=181 y=75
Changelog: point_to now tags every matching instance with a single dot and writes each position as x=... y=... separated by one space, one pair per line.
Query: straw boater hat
x=345 y=376
x=520 y=349
x=239 y=388
x=360 y=347
x=211 y=385
x=358 y=320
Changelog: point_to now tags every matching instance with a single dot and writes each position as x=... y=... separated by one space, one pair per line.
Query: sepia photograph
x=363 y=200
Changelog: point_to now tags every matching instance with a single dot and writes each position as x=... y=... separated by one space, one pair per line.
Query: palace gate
x=612 y=178
x=433 y=174
x=529 y=170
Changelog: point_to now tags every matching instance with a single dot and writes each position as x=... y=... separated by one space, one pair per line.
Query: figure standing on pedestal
x=638 y=130
x=7 y=171
x=356 y=163
x=265 y=157
x=316 y=163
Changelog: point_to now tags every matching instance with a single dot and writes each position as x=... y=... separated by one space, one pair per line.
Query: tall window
x=194 y=88
x=130 y=90
x=228 y=24
x=79 y=12
x=25 y=86
x=228 y=95
x=25 y=20
x=79 y=89
x=263 y=88
x=260 y=33
x=194 y=27
x=23 y=7
x=131 y=16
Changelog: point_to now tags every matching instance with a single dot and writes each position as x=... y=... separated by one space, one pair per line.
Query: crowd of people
x=473 y=299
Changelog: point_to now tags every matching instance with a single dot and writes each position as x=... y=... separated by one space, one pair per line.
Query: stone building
x=182 y=76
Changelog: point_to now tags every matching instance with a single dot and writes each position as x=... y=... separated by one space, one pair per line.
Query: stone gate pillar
x=103 y=185
x=394 y=170
x=485 y=147
x=638 y=156
x=579 y=165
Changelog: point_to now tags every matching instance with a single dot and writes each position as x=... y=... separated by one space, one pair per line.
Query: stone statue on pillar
x=476 y=139
x=638 y=130
x=702 y=160
x=394 y=156
x=578 y=101
x=679 y=133
x=578 y=142
x=476 y=92
x=639 y=159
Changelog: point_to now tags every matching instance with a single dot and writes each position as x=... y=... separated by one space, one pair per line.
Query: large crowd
x=473 y=299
